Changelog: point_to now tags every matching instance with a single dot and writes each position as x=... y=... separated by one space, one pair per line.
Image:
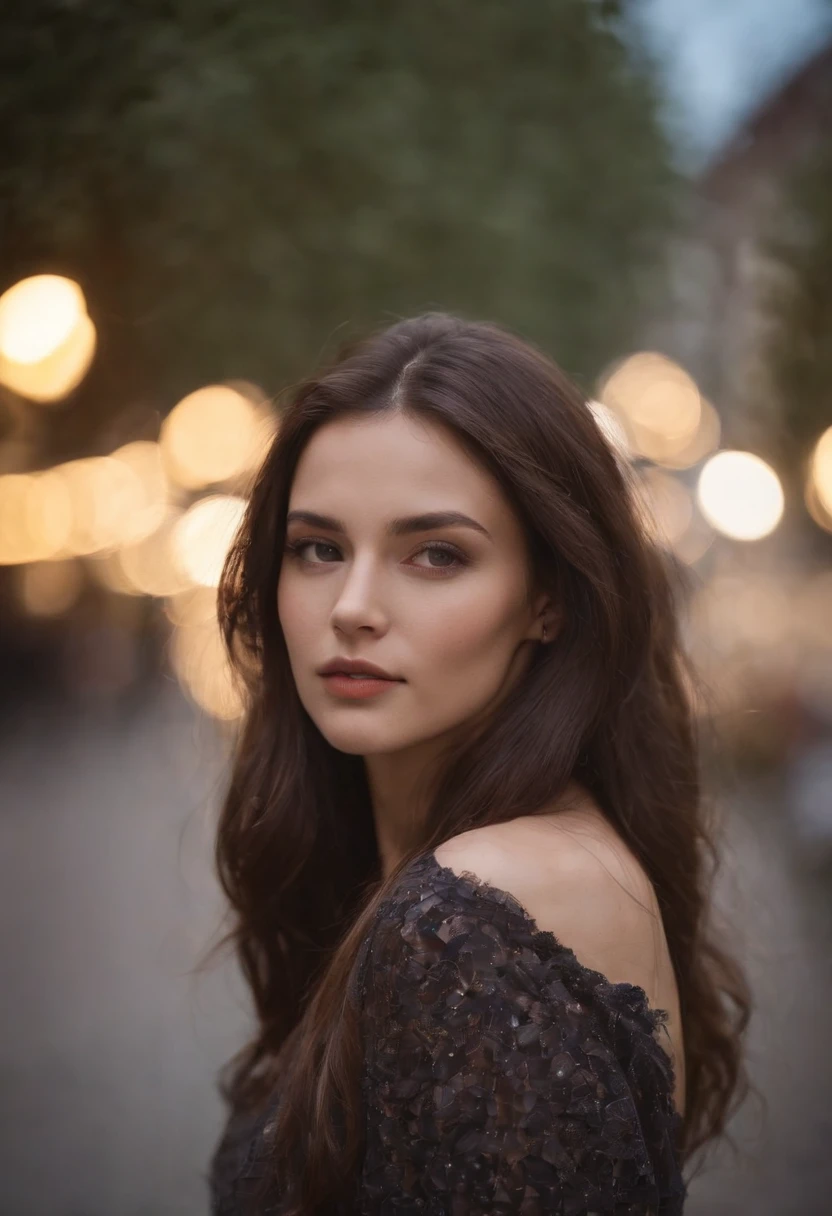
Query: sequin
x=500 y=1075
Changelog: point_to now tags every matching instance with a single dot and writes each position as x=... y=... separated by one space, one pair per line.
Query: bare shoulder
x=577 y=879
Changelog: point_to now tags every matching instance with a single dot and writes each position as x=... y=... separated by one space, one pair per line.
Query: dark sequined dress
x=500 y=1075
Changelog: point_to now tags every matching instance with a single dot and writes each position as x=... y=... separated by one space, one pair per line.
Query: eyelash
x=461 y=560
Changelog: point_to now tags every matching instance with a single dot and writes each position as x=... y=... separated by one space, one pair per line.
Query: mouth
x=359 y=675
x=363 y=669
x=357 y=686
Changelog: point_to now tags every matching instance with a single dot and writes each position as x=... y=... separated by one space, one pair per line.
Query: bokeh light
x=702 y=443
x=37 y=315
x=47 y=340
x=815 y=507
x=203 y=536
x=151 y=566
x=658 y=403
x=107 y=498
x=211 y=436
x=144 y=460
x=740 y=495
x=194 y=605
x=14 y=526
x=35 y=517
x=821 y=470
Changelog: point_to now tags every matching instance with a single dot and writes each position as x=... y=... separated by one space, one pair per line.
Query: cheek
x=462 y=666
x=482 y=636
x=295 y=615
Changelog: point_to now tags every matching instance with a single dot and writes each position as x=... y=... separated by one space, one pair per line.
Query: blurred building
x=761 y=612
x=721 y=270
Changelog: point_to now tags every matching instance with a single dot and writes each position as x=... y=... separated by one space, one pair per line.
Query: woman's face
x=444 y=608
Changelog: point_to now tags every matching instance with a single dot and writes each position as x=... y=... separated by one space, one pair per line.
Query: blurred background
x=198 y=201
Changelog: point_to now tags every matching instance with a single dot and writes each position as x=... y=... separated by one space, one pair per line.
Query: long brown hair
x=607 y=703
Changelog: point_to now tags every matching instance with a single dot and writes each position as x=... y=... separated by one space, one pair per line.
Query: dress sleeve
x=489 y=1086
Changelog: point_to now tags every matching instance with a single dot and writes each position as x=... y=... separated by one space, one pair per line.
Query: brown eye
x=298 y=546
x=452 y=559
x=457 y=559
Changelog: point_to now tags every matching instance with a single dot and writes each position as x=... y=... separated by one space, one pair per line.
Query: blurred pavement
x=109 y=1049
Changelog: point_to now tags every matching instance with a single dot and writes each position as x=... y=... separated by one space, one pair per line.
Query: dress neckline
x=620 y=996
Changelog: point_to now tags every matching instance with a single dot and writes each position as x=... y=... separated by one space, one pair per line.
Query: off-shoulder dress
x=500 y=1075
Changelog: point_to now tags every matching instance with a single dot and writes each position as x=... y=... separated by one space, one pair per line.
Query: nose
x=359 y=605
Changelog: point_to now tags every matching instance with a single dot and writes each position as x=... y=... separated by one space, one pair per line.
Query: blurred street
x=200 y=205
x=110 y=1048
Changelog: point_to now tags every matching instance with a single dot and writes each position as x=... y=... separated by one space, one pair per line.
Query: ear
x=548 y=617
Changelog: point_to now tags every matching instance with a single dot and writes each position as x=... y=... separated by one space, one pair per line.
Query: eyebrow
x=403 y=526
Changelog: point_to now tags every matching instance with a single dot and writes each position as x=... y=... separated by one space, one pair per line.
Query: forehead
x=395 y=462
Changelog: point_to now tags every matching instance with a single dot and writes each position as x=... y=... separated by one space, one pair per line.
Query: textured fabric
x=500 y=1075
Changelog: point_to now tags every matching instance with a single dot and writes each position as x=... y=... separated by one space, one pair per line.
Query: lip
x=349 y=688
x=357 y=667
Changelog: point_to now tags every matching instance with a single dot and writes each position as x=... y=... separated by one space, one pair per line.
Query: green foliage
x=799 y=305
x=237 y=184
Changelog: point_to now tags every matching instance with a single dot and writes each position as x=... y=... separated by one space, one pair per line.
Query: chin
x=362 y=739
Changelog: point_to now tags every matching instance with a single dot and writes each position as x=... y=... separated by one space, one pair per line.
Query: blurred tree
x=799 y=309
x=236 y=183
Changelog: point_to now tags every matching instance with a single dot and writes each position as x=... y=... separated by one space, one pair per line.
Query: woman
x=470 y=895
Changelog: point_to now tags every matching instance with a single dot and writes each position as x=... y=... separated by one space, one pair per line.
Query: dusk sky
x=722 y=57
